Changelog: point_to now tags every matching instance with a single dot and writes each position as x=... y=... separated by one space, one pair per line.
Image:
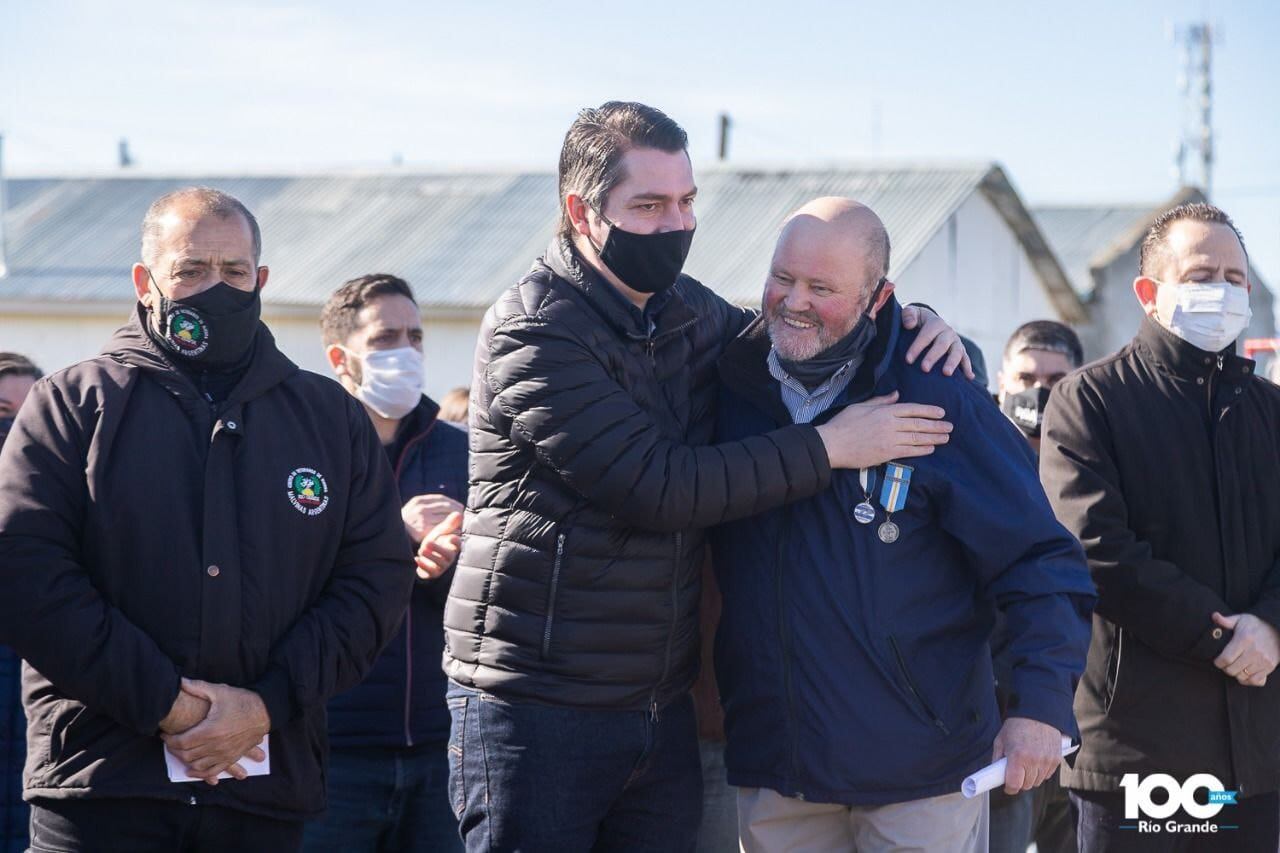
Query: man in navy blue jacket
x=388 y=785
x=852 y=653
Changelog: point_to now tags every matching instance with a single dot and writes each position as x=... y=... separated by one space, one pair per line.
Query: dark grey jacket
x=145 y=537
x=591 y=481
x=1165 y=461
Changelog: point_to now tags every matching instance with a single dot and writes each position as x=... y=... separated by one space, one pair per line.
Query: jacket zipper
x=650 y=341
x=408 y=675
x=1213 y=374
x=671 y=632
x=784 y=636
x=911 y=685
x=408 y=616
x=551 y=596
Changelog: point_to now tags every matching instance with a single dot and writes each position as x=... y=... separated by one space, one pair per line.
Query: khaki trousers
x=771 y=823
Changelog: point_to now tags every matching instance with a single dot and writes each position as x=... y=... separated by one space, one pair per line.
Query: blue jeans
x=386 y=799
x=719 y=830
x=542 y=778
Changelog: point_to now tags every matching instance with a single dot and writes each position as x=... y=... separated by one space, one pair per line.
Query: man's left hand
x=440 y=548
x=235 y=725
x=1253 y=652
x=938 y=338
x=1034 y=750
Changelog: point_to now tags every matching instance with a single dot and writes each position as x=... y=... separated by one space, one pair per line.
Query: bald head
x=847 y=226
x=831 y=254
x=190 y=204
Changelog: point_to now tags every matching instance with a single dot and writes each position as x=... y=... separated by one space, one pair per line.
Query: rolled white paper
x=992 y=776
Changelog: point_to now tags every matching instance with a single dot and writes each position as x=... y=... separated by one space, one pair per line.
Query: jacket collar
x=413 y=430
x=421 y=420
x=669 y=314
x=1176 y=357
x=879 y=356
x=132 y=345
x=744 y=366
x=744 y=370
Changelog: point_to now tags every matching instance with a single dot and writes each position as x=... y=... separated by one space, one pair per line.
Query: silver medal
x=864 y=513
x=888 y=533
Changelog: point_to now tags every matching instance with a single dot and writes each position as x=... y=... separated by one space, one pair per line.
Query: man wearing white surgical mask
x=388 y=767
x=1162 y=460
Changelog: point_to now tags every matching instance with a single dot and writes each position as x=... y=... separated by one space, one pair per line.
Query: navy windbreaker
x=858 y=672
x=400 y=703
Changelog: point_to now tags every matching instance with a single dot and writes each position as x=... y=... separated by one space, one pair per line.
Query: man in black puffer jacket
x=571 y=627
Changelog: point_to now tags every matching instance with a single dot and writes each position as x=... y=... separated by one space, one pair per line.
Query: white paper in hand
x=178 y=770
x=992 y=776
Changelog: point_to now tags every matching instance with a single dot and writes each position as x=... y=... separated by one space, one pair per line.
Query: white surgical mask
x=391 y=384
x=1207 y=315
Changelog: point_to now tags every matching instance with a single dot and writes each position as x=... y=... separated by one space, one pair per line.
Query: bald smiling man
x=852 y=654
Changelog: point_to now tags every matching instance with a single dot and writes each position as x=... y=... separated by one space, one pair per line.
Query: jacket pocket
x=457 y=744
x=914 y=689
x=551 y=597
x=1112 y=681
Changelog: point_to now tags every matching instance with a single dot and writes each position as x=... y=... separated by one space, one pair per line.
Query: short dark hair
x=1155 y=244
x=591 y=157
x=208 y=202
x=338 y=317
x=1047 y=336
x=14 y=364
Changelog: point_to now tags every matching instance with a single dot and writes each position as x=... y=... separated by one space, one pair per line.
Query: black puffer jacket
x=1165 y=461
x=578 y=581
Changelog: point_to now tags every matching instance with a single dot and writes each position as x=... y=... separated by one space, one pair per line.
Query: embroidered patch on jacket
x=308 y=491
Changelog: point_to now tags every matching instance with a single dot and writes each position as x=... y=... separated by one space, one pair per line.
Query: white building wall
x=55 y=341
x=975 y=273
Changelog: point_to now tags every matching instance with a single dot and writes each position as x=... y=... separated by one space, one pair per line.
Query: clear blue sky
x=1078 y=101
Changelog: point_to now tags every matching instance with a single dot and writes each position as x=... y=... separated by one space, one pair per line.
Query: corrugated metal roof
x=459 y=238
x=1079 y=234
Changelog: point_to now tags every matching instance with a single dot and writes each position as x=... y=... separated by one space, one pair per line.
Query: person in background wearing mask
x=388 y=768
x=1037 y=356
x=17 y=375
x=1163 y=460
x=199 y=546
x=572 y=622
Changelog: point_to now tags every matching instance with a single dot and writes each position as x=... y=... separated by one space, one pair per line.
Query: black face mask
x=852 y=347
x=214 y=328
x=646 y=263
x=6 y=426
x=1026 y=410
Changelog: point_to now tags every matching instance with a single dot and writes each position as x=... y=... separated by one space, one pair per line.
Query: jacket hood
x=131 y=345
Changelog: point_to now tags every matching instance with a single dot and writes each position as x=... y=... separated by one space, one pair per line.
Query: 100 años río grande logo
x=1140 y=803
x=308 y=491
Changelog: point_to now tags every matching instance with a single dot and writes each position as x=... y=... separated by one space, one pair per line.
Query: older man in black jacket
x=1163 y=460
x=571 y=625
x=199 y=545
